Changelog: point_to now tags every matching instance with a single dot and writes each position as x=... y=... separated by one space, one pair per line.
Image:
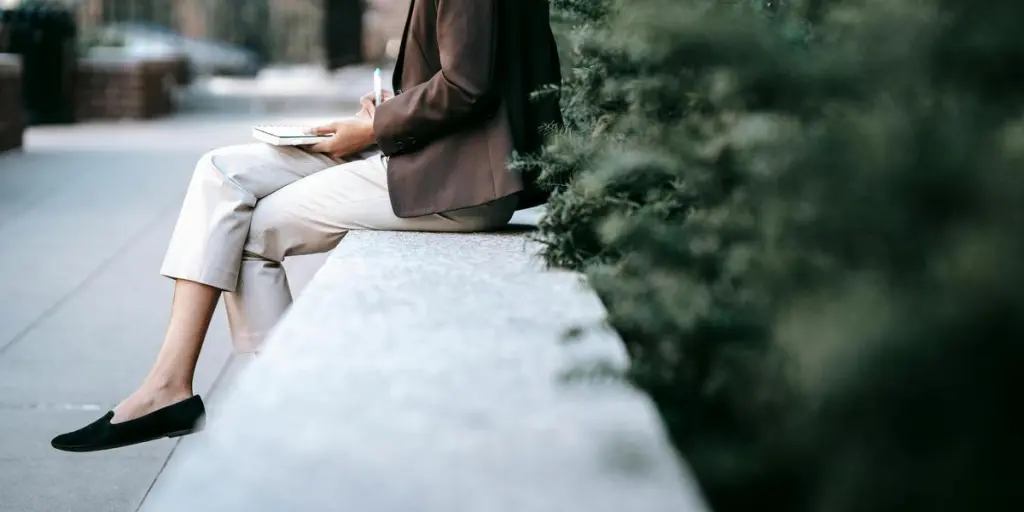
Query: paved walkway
x=85 y=213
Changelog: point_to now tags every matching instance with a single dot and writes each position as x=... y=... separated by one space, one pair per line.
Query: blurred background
x=78 y=56
x=105 y=107
x=239 y=36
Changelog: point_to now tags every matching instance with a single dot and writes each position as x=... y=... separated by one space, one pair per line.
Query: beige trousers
x=248 y=207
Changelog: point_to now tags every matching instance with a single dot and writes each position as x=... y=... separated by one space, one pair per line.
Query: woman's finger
x=368 y=104
x=326 y=129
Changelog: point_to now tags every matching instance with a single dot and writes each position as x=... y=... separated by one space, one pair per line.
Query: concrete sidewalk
x=85 y=214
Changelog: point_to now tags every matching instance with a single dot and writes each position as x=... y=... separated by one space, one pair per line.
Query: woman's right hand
x=369 y=105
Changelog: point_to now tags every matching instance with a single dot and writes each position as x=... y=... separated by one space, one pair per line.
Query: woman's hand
x=369 y=105
x=348 y=136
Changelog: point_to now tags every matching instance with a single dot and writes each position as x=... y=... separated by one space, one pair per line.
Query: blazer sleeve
x=460 y=91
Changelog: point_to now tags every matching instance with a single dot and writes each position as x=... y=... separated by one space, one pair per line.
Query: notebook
x=279 y=135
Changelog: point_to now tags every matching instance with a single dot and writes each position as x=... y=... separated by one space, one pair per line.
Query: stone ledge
x=421 y=372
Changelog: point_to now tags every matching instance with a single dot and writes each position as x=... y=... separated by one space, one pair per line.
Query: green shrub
x=804 y=222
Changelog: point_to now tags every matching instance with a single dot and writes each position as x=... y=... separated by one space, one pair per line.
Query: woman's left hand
x=348 y=136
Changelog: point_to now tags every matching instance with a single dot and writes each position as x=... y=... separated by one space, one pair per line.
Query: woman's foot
x=148 y=399
x=175 y=420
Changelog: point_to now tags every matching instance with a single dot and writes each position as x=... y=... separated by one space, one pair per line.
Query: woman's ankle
x=167 y=387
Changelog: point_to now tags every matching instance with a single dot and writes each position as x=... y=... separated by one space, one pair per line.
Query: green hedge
x=805 y=219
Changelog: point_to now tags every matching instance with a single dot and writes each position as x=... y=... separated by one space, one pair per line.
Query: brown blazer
x=447 y=131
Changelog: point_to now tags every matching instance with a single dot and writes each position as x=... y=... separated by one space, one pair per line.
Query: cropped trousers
x=250 y=206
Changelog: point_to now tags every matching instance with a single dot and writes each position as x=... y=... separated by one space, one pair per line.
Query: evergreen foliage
x=805 y=218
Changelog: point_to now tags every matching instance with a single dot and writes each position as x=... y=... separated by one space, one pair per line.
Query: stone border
x=12 y=115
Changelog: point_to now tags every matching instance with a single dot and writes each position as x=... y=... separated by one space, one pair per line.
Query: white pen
x=377 y=87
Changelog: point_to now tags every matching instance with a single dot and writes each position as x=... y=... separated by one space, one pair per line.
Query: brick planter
x=125 y=88
x=12 y=117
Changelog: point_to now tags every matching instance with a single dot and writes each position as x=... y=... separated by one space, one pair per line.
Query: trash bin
x=6 y=25
x=43 y=33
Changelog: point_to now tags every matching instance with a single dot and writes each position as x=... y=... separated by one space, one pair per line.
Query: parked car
x=206 y=57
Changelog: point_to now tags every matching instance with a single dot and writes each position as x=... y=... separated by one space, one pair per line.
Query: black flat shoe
x=175 y=420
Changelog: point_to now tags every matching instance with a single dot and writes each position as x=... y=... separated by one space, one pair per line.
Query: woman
x=440 y=164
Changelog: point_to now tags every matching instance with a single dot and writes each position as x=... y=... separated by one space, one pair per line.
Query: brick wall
x=295 y=32
x=383 y=24
x=191 y=17
x=12 y=118
x=124 y=89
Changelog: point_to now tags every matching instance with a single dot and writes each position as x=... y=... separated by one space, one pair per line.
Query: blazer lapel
x=396 y=77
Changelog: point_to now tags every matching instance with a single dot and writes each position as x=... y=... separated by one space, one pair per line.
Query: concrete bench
x=424 y=373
